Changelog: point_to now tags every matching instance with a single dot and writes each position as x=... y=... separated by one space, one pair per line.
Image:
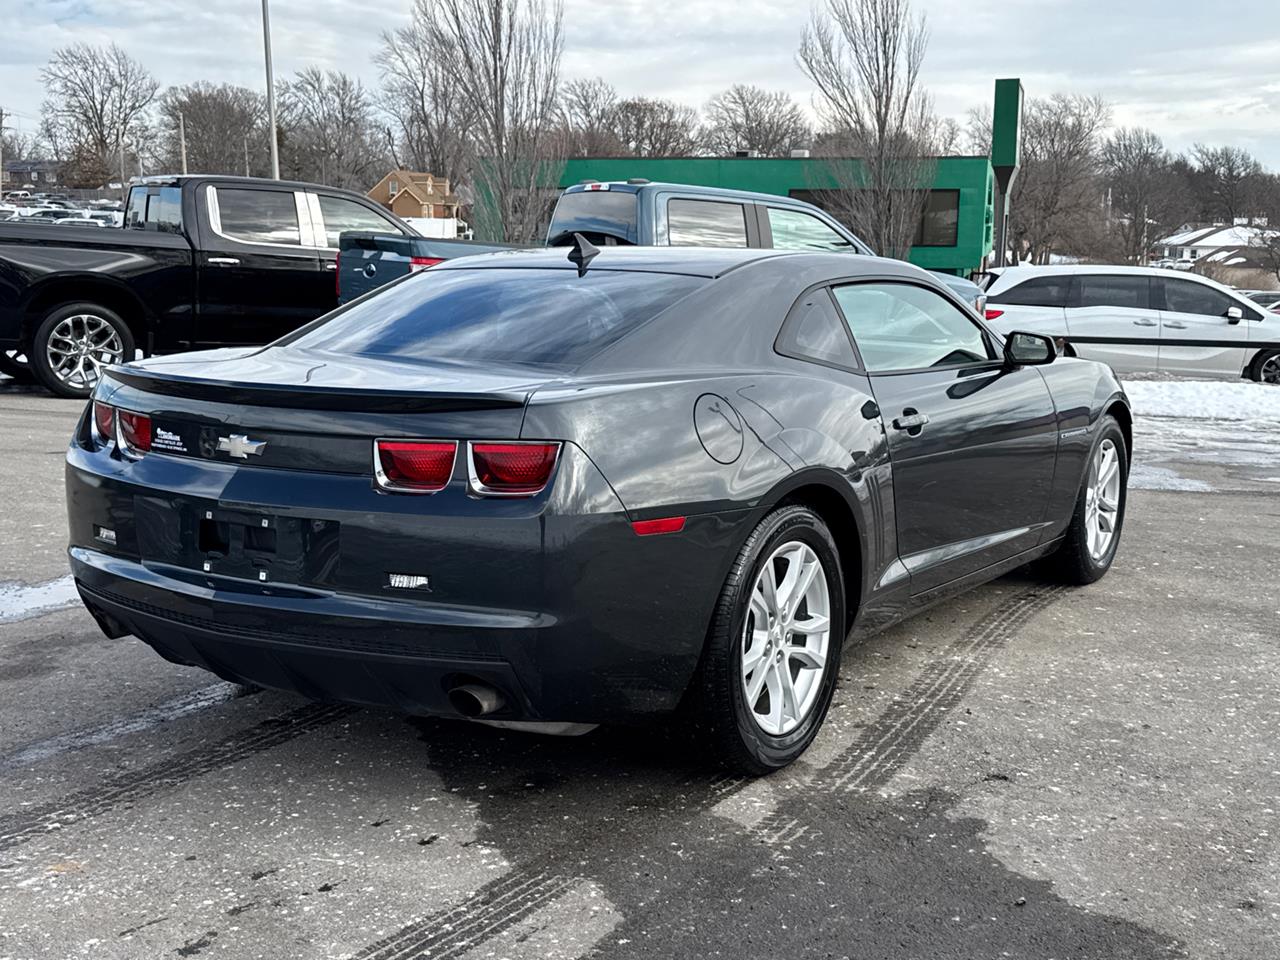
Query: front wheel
x=1094 y=531
x=74 y=344
x=1266 y=367
x=773 y=652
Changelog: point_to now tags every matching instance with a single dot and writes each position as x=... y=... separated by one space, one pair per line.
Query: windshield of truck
x=602 y=216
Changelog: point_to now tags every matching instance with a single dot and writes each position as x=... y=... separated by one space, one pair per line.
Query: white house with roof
x=1202 y=241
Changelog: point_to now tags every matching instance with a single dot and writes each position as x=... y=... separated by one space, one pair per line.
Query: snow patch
x=18 y=601
x=1204 y=399
x=1146 y=477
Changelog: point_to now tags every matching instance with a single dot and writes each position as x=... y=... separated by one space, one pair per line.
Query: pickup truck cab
x=200 y=261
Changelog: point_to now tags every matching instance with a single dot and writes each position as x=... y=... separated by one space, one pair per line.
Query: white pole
x=182 y=137
x=271 y=91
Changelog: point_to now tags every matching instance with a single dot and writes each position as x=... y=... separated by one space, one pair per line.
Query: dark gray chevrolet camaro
x=506 y=488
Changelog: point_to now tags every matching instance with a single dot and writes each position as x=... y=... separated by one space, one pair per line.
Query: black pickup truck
x=200 y=261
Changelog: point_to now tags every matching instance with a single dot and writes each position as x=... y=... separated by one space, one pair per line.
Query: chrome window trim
x=478 y=489
x=387 y=485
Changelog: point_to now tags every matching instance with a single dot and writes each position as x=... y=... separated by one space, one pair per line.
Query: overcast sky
x=1192 y=71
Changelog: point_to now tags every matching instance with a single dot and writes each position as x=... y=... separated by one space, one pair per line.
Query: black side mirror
x=1027 y=349
x=1234 y=315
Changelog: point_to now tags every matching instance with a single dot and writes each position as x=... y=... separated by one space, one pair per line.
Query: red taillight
x=421 y=263
x=415 y=466
x=135 y=431
x=511 y=469
x=104 y=421
x=647 y=528
x=992 y=314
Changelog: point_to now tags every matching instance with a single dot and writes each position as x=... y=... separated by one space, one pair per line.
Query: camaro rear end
x=527 y=490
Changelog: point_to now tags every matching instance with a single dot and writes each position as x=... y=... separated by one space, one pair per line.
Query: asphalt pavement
x=1025 y=772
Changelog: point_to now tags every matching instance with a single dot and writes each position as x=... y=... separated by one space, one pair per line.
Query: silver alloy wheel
x=1269 y=372
x=785 y=638
x=80 y=346
x=1102 y=499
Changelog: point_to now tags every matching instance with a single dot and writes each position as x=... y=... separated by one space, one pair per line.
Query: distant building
x=38 y=173
x=1192 y=244
x=415 y=195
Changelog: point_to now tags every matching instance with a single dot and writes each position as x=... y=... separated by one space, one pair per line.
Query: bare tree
x=588 y=111
x=1057 y=200
x=656 y=128
x=223 y=123
x=1225 y=178
x=431 y=115
x=97 y=102
x=864 y=57
x=977 y=131
x=1148 y=197
x=746 y=117
x=504 y=57
x=328 y=131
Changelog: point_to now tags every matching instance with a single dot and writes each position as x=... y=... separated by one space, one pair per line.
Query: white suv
x=1140 y=319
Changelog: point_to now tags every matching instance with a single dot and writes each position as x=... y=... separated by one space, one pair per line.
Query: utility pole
x=271 y=93
x=123 y=174
x=1 y=152
x=246 y=154
x=182 y=139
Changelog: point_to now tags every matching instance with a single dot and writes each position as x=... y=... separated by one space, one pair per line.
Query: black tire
x=13 y=363
x=735 y=737
x=38 y=355
x=1270 y=360
x=1073 y=562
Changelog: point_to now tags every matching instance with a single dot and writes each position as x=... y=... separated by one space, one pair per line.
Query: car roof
x=690 y=261
x=1007 y=277
x=627 y=186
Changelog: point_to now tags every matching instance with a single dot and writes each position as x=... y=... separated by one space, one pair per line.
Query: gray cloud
x=1192 y=72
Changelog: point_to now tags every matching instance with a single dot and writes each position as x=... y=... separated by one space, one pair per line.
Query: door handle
x=223 y=261
x=330 y=265
x=1175 y=326
x=910 y=421
x=1144 y=323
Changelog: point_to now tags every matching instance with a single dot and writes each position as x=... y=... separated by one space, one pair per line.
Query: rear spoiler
x=310 y=398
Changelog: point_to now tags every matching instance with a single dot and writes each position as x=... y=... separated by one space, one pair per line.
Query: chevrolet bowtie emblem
x=240 y=446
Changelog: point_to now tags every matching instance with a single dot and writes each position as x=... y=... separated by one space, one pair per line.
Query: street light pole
x=271 y=91
x=182 y=138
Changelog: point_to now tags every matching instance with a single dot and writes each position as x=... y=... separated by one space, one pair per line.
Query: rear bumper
x=565 y=610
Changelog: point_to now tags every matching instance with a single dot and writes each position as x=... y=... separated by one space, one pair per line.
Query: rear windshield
x=600 y=215
x=548 y=318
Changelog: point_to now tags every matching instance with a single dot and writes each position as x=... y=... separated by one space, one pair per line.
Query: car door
x=973 y=441
x=259 y=267
x=791 y=229
x=1196 y=335
x=1112 y=317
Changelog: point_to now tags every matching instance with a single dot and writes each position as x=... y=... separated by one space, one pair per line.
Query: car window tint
x=815 y=331
x=1113 y=290
x=897 y=326
x=1036 y=292
x=795 y=230
x=341 y=213
x=258 y=216
x=545 y=318
x=601 y=215
x=155 y=208
x=1187 y=296
x=706 y=223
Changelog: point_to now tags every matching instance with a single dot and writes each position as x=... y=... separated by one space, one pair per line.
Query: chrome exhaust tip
x=476 y=700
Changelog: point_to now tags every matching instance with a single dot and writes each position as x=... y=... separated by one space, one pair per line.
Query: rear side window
x=541 y=318
x=815 y=331
x=1037 y=292
x=1102 y=290
x=706 y=223
x=258 y=216
x=155 y=208
x=1187 y=296
x=600 y=215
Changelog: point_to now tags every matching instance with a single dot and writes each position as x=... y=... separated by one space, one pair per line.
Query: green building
x=955 y=234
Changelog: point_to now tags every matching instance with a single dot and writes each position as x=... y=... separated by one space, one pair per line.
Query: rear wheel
x=773 y=653
x=13 y=363
x=74 y=344
x=1094 y=532
x=1266 y=367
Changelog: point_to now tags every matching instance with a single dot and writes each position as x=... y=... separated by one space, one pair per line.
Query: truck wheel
x=73 y=345
x=13 y=363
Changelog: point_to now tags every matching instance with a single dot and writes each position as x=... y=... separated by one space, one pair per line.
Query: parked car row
x=1140 y=319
